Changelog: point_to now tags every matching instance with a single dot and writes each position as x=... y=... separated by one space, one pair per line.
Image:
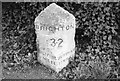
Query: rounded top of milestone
x=54 y=19
x=52 y=14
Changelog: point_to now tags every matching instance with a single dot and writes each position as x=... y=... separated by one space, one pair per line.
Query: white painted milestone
x=55 y=30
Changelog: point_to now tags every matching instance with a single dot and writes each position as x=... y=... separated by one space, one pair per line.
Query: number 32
x=57 y=42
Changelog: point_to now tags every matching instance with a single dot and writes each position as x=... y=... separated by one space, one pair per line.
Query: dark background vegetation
x=97 y=38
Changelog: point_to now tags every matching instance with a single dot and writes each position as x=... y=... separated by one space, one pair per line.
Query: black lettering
x=72 y=26
x=60 y=41
x=50 y=28
x=67 y=27
x=36 y=26
x=61 y=27
x=41 y=28
x=52 y=62
x=53 y=42
x=56 y=28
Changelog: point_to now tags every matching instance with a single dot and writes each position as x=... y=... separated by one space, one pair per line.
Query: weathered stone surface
x=55 y=29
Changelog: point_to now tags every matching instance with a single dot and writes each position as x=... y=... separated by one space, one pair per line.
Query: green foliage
x=97 y=38
x=97 y=41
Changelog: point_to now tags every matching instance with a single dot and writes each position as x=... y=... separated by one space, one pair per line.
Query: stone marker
x=55 y=30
